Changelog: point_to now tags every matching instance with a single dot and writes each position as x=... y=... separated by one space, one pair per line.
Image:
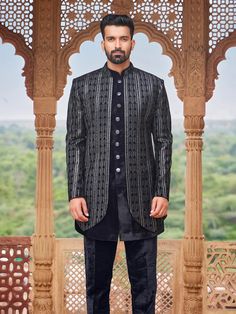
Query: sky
x=16 y=105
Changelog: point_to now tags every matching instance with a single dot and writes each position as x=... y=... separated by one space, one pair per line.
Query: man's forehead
x=116 y=30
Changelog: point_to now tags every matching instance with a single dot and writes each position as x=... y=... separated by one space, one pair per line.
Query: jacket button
x=117 y=156
x=118 y=105
x=118 y=93
x=117 y=169
x=119 y=81
x=117 y=131
x=117 y=119
x=117 y=144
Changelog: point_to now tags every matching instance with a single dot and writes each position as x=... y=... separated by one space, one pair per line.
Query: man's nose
x=117 y=44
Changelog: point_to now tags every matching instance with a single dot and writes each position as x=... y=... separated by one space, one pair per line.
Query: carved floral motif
x=196 y=71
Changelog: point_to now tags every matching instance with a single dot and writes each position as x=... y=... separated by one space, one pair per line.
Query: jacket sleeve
x=75 y=144
x=162 y=138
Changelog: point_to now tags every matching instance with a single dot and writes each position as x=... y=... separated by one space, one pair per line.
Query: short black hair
x=117 y=20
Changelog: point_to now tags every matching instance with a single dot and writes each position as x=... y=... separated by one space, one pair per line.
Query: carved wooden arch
x=153 y=35
x=17 y=40
x=214 y=59
x=167 y=49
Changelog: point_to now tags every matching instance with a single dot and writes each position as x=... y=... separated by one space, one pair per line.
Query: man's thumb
x=85 y=208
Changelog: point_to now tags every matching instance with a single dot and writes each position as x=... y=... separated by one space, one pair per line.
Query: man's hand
x=159 y=207
x=78 y=209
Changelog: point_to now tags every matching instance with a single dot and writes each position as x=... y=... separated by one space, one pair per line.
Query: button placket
x=118 y=115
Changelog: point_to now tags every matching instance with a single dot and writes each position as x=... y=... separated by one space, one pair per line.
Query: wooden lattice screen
x=70 y=280
x=164 y=15
x=14 y=275
x=221 y=277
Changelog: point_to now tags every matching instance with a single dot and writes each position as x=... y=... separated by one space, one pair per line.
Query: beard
x=118 y=58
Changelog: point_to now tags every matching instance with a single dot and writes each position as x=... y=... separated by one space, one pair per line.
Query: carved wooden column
x=45 y=45
x=193 y=239
x=43 y=239
x=195 y=43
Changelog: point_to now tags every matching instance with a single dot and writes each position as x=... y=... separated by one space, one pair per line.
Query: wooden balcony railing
x=15 y=284
x=219 y=292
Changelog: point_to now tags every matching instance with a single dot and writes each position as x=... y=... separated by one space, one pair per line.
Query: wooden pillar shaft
x=46 y=38
x=44 y=125
x=195 y=55
x=193 y=239
x=193 y=128
x=44 y=239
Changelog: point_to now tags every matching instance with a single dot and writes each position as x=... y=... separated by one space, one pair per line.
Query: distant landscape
x=18 y=169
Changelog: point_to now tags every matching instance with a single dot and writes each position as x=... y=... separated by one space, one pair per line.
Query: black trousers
x=141 y=258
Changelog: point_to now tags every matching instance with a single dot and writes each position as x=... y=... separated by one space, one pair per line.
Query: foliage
x=18 y=172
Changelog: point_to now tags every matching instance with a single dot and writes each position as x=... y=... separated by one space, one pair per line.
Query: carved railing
x=219 y=293
x=219 y=289
x=15 y=286
x=220 y=260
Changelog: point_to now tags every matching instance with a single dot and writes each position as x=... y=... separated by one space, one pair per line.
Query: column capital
x=194 y=126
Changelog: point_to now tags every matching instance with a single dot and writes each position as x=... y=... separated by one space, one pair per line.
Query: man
x=118 y=161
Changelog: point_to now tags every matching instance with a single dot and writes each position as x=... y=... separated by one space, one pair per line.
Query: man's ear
x=102 y=45
x=133 y=43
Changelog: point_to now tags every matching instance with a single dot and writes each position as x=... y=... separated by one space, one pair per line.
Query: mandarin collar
x=124 y=72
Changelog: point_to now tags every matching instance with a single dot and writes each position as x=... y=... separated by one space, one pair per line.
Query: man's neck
x=118 y=67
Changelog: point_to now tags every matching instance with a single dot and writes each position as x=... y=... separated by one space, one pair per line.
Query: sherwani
x=118 y=158
x=147 y=144
x=118 y=221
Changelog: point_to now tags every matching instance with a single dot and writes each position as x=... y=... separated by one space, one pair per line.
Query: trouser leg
x=99 y=260
x=141 y=258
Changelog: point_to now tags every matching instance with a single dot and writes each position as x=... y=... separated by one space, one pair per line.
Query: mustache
x=118 y=50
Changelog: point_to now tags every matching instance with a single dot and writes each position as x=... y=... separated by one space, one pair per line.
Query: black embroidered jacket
x=148 y=143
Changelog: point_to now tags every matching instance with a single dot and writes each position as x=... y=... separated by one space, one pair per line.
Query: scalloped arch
x=214 y=59
x=17 y=40
x=89 y=34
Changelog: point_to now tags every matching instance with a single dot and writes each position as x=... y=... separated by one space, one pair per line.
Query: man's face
x=117 y=43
